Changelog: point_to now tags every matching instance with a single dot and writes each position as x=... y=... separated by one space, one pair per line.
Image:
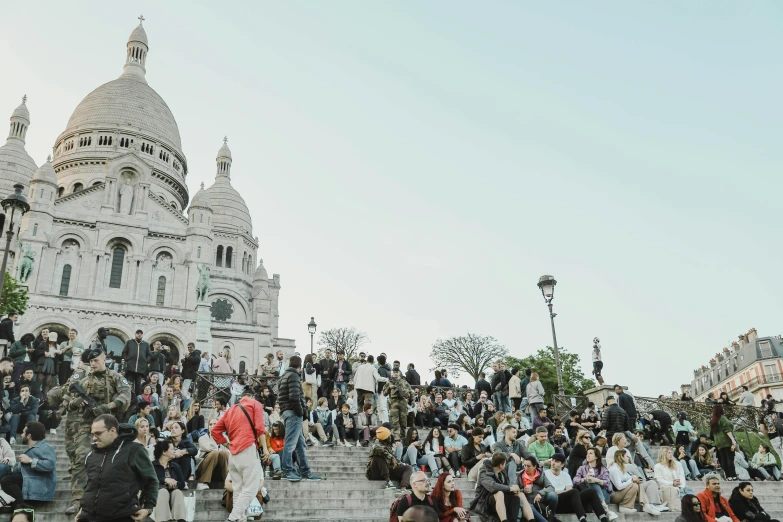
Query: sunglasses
x=697 y=503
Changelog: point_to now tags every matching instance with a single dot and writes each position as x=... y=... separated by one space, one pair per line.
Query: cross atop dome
x=225 y=138
x=24 y=99
x=49 y=158
x=141 y=19
x=202 y=185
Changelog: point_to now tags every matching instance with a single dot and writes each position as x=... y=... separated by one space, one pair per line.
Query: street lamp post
x=547 y=285
x=311 y=328
x=16 y=201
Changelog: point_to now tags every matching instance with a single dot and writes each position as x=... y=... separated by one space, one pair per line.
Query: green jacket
x=721 y=437
x=17 y=351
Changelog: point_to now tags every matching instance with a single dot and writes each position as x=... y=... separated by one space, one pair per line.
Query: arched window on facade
x=78 y=187
x=219 y=256
x=65 y=282
x=198 y=253
x=60 y=191
x=229 y=255
x=241 y=367
x=244 y=260
x=117 y=260
x=35 y=229
x=159 y=301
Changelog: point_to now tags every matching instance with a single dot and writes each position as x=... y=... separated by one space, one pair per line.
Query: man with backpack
x=244 y=424
x=417 y=497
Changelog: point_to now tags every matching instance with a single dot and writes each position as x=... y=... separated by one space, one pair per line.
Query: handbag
x=190 y=505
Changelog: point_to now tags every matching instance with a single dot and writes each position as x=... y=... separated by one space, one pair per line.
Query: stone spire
x=137 y=48
x=224 y=161
x=20 y=121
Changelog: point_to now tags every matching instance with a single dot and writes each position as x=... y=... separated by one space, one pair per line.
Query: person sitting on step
x=383 y=465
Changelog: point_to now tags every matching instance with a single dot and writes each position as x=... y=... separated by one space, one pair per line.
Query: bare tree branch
x=469 y=353
x=346 y=340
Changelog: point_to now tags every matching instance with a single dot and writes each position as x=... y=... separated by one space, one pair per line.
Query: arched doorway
x=60 y=329
x=171 y=341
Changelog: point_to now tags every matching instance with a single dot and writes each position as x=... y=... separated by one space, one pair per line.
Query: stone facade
x=110 y=240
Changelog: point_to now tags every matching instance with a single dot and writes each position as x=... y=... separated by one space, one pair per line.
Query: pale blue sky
x=413 y=168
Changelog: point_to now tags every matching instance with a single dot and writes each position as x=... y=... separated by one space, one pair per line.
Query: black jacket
x=745 y=509
x=346 y=371
x=615 y=420
x=626 y=402
x=289 y=392
x=174 y=470
x=499 y=383
x=184 y=462
x=487 y=485
x=157 y=362
x=7 y=330
x=483 y=386
x=413 y=377
x=190 y=365
x=136 y=356
x=326 y=368
x=115 y=476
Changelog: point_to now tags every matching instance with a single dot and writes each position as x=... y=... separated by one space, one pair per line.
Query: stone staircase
x=345 y=494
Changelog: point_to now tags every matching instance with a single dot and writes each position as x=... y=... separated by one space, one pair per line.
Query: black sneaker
x=308 y=443
x=328 y=443
x=277 y=475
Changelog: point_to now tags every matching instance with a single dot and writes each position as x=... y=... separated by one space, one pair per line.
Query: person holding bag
x=171 y=500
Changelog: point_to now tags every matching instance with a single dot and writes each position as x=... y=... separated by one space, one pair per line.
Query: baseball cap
x=559 y=457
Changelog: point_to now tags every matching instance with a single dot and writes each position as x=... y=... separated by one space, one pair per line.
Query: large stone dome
x=16 y=165
x=127 y=103
x=228 y=207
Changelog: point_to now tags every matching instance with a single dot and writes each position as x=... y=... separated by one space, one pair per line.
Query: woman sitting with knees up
x=745 y=506
x=687 y=463
x=670 y=478
x=627 y=487
x=765 y=462
x=171 y=500
x=213 y=466
x=704 y=461
x=416 y=454
x=275 y=440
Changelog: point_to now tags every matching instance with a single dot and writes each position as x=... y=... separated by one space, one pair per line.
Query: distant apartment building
x=753 y=361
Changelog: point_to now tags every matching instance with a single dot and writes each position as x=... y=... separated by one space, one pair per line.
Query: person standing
x=535 y=395
x=515 y=389
x=412 y=376
x=597 y=362
x=112 y=393
x=7 y=331
x=71 y=351
x=99 y=343
x=341 y=373
x=626 y=402
x=190 y=366
x=136 y=354
x=157 y=361
x=499 y=387
x=364 y=380
x=721 y=430
x=121 y=484
x=244 y=424
x=399 y=393
x=327 y=365
x=291 y=400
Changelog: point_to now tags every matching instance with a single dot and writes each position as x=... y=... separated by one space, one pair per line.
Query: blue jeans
x=502 y=402
x=602 y=493
x=15 y=418
x=294 y=440
x=549 y=499
x=342 y=387
x=412 y=458
x=5 y=469
x=397 y=452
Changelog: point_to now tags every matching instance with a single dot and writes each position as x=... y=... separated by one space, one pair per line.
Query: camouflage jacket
x=396 y=389
x=379 y=448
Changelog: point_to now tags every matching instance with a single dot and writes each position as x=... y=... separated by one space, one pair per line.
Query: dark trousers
x=12 y=484
x=135 y=380
x=517 y=402
x=574 y=501
x=424 y=419
x=326 y=388
x=379 y=470
x=512 y=506
x=454 y=460
x=726 y=459
x=344 y=433
x=64 y=372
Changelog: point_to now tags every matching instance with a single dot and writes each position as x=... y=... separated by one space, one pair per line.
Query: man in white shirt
x=746 y=398
x=570 y=500
x=597 y=362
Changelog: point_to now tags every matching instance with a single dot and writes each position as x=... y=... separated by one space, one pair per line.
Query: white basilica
x=111 y=242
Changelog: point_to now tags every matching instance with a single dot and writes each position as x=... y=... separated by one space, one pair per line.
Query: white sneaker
x=651 y=510
x=358 y=444
x=660 y=507
x=13 y=440
x=611 y=515
x=201 y=486
x=627 y=510
x=53 y=431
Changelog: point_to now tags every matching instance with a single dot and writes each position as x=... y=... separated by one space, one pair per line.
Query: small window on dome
x=77 y=187
x=60 y=192
x=35 y=229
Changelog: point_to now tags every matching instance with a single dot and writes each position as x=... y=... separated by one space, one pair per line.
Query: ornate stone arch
x=73 y=183
x=130 y=242
x=171 y=336
x=159 y=246
x=83 y=239
x=55 y=323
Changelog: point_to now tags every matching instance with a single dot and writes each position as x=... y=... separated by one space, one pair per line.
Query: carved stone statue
x=126 y=197
x=203 y=285
x=28 y=262
x=163 y=262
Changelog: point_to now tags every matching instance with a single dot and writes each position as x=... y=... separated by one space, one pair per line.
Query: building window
x=241 y=367
x=161 y=291
x=65 y=282
x=198 y=253
x=219 y=256
x=35 y=229
x=60 y=192
x=766 y=349
x=117 y=260
x=78 y=187
x=229 y=254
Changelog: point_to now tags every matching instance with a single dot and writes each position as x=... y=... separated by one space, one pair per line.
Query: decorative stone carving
x=163 y=262
x=70 y=249
x=222 y=309
x=88 y=203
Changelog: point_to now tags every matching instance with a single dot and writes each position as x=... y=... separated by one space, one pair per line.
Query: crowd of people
x=526 y=461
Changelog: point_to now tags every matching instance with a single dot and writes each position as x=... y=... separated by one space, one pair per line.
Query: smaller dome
x=260 y=273
x=46 y=173
x=224 y=151
x=21 y=111
x=201 y=199
x=139 y=35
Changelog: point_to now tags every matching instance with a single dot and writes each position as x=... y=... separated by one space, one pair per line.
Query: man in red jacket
x=244 y=425
x=715 y=507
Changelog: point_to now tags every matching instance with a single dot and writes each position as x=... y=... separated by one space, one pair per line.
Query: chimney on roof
x=743 y=340
x=752 y=335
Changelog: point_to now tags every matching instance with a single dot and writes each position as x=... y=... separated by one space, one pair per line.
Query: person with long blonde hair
x=535 y=394
x=670 y=478
x=627 y=487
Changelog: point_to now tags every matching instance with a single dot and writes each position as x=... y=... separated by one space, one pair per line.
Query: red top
x=235 y=423
x=708 y=506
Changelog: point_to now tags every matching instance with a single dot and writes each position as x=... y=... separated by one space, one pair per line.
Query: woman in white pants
x=628 y=486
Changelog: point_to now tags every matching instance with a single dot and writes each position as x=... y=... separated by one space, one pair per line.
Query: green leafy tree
x=543 y=362
x=469 y=353
x=346 y=340
x=14 y=298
